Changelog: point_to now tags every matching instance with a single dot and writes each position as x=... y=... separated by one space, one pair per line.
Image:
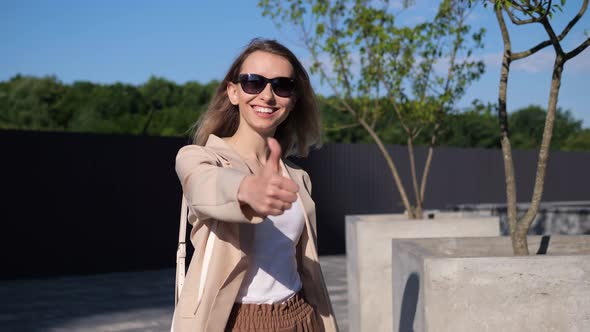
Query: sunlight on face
x=265 y=111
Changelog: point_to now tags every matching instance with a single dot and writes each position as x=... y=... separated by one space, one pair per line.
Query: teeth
x=263 y=110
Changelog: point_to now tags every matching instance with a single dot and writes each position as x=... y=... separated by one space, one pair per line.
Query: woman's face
x=265 y=111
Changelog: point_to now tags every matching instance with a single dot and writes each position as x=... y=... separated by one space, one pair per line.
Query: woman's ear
x=232 y=93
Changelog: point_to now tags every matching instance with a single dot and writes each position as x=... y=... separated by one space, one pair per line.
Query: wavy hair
x=297 y=134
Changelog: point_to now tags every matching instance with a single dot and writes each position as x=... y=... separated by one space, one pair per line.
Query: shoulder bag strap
x=181 y=251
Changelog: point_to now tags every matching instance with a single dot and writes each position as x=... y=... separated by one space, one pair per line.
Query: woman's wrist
x=242 y=189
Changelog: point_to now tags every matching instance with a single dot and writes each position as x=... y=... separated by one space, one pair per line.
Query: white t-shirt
x=272 y=275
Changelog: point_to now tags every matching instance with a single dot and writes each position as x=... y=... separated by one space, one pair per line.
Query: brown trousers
x=294 y=315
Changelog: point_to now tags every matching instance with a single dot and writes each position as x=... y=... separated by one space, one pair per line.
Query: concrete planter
x=368 y=255
x=475 y=284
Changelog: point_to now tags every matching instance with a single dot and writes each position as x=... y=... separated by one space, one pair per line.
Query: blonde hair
x=297 y=134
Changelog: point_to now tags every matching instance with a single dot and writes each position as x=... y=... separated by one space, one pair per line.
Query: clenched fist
x=269 y=193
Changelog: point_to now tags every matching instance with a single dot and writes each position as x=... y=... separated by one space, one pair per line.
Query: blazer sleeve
x=210 y=189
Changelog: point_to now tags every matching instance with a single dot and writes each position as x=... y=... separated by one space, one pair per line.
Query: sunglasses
x=254 y=84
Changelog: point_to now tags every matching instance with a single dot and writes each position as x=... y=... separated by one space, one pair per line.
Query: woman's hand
x=269 y=193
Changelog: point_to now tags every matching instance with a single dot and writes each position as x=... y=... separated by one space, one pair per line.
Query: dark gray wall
x=84 y=203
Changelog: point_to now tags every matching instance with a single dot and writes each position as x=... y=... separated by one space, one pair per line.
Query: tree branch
x=517 y=20
x=578 y=49
x=340 y=61
x=552 y=37
x=338 y=128
x=530 y=51
x=392 y=168
x=562 y=35
x=575 y=20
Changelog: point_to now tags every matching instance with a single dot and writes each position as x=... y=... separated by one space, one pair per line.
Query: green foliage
x=476 y=126
x=47 y=104
x=530 y=9
x=31 y=103
x=382 y=73
x=526 y=127
x=579 y=141
x=473 y=127
x=158 y=107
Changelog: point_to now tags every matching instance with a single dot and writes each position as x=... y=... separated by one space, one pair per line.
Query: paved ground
x=137 y=301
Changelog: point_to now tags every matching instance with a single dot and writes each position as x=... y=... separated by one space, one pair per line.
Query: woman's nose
x=267 y=93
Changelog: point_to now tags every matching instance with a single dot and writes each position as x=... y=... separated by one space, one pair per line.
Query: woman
x=259 y=271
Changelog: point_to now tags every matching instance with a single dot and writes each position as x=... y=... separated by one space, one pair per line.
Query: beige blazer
x=210 y=177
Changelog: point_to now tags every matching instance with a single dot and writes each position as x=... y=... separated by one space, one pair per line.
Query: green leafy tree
x=159 y=94
x=475 y=127
x=527 y=124
x=178 y=118
x=578 y=142
x=383 y=73
x=31 y=103
x=158 y=107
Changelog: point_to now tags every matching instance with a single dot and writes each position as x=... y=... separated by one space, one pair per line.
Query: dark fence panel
x=355 y=179
x=79 y=203
x=84 y=203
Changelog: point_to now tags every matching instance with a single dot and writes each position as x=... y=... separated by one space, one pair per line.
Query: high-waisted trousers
x=293 y=315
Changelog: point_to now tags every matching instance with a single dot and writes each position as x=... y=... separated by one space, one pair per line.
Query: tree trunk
x=518 y=247
x=525 y=223
x=146 y=126
x=428 y=162
x=392 y=168
x=418 y=213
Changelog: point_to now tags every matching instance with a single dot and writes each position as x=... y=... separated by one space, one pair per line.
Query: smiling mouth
x=265 y=110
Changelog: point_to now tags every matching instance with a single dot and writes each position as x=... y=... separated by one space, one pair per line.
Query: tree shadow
x=409 y=303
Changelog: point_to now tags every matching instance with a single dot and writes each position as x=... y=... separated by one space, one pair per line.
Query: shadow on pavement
x=129 y=301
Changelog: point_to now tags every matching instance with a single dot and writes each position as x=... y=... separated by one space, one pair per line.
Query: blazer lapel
x=227 y=154
x=306 y=201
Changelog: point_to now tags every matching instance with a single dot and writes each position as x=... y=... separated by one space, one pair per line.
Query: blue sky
x=128 y=41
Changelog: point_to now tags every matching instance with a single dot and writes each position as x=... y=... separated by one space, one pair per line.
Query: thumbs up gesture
x=269 y=193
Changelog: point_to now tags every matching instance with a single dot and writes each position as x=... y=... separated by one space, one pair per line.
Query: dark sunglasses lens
x=283 y=86
x=252 y=83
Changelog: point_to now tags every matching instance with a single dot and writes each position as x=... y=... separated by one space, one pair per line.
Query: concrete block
x=368 y=255
x=475 y=284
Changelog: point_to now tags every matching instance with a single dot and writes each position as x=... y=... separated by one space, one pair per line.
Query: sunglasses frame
x=274 y=83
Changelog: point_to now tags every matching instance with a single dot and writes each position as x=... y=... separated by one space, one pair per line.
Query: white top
x=272 y=275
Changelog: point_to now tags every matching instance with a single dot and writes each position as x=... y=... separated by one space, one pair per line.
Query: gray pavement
x=117 y=302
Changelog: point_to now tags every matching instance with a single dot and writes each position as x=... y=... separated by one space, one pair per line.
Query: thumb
x=272 y=163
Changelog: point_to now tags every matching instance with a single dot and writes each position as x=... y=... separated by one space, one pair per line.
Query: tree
x=381 y=72
x=159 y=94
x=525 y=12
x=474 y=127
x=31 y=103
x=578 y=142
x=526 y=126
